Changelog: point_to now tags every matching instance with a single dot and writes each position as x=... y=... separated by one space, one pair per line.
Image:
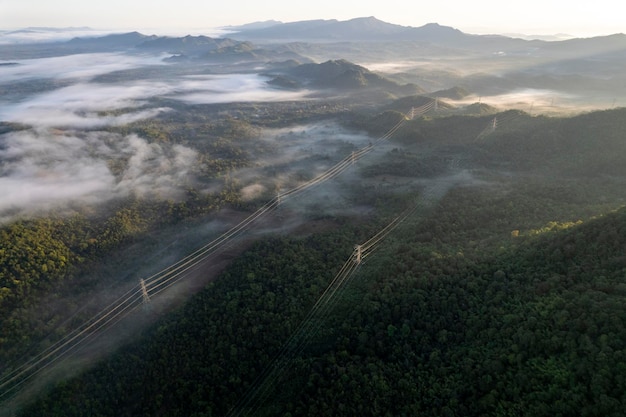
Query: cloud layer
x=65 y=155
x=77 y=66
x=82 y=103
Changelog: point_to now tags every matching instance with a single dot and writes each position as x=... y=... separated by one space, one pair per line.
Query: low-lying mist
x=529 y=100
x=213 y=89
x=42 y=34
x=299 y=154
x=85 y=104
x=550 y=85
x=64 y=153
x=76 y=67
x=42 y=169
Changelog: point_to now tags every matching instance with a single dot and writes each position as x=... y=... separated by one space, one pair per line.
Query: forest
x=499 y=293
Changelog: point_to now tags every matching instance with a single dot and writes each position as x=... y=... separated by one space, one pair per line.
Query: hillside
x=443 y=56
x=329 y=218
x=344 y=75
x=186 y=45
x=430 y=324
x=500 y=292
x=111 y=42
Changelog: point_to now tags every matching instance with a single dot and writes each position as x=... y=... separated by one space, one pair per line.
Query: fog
x=37 y=174
x=80 y=102
x=299 y=153
x=390 y=67
x=207 y=89
x=80 y=105
x=43 y=169
x=42 y=34
x=45 y=34
x=77 y=66
x=538 y=101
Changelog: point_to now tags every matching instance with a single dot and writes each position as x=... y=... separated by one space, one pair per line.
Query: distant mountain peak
x=367 y=28
x=129 y=39
x=368 y=19
x=254 y=25
x=345 y=75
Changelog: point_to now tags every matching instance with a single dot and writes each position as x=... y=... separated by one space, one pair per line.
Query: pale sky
x=574 y=17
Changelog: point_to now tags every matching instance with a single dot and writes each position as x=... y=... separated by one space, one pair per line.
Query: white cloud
x=43 y=168
x=40 y=169
x=38 y=35
x=153 y=170
x=80 y=66
x=78 y=105
x=206 y=89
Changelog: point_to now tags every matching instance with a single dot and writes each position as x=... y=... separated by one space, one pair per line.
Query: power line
x=160 y=281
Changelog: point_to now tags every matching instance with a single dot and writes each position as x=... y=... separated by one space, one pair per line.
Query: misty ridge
x=131 y=73
x=79 y=113
x=182 y=157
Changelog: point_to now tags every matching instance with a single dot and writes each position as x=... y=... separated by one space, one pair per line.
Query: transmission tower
x=357 y=257
x=144 y=292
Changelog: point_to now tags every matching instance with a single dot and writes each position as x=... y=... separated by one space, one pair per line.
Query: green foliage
x=407 y=164
x=268 y=291
x=452 y=323
x=31 y=257
x=504 y=298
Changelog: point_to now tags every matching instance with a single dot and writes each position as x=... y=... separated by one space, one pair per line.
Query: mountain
x=370 y=29
x=45 y=46
x=186 y=48
x=37 y=29
x=114 y=41
x=454 y=93
x=603 y=47
x=344 y=75
x=550 y=38
x=187 y=45
x=253 y=26
x=359 y=29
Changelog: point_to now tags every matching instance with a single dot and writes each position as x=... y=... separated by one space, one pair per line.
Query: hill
x=502 y=294
x=344 y=75
x=423 y=330
x=359 y=29
x=186 y=45
x=113 y=41
x=253 y=26
x=454 y=93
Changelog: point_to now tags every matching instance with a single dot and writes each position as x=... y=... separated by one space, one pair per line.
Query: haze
x=579 y=19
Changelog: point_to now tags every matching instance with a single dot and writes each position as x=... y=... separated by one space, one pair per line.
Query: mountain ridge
x=372 y=29
x=361 y=28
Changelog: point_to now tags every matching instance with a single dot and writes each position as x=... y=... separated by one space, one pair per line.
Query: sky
x=545 y=17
